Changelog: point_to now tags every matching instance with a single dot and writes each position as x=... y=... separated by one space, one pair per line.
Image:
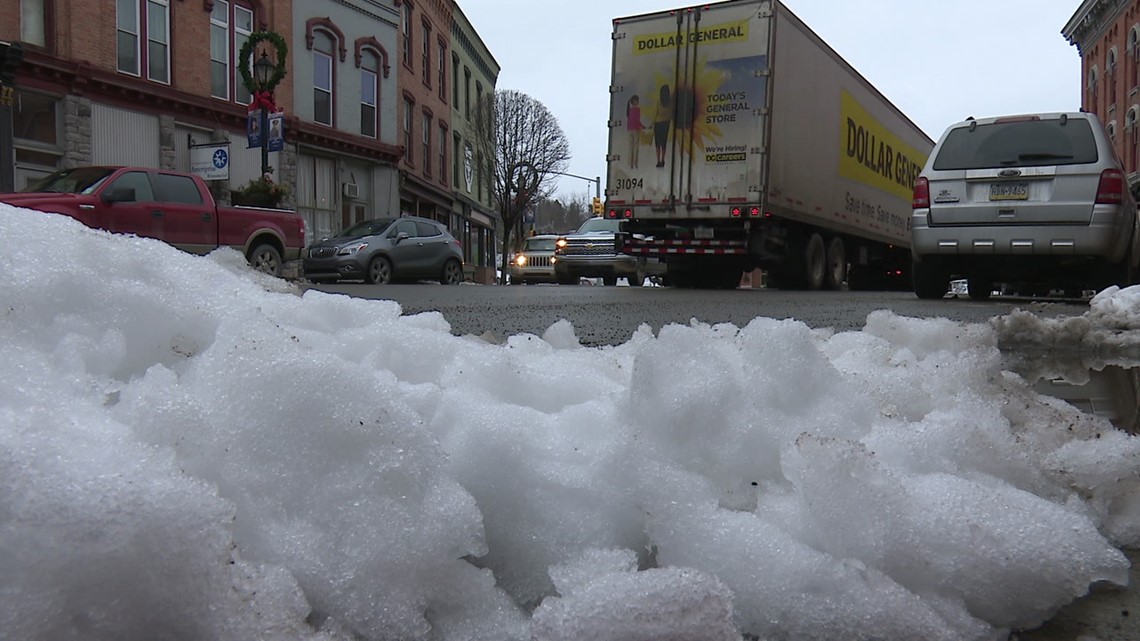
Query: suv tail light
x=921 y=199
x=1110 y=191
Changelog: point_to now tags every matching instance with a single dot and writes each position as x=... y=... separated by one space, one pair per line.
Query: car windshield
x=366 y=228
x=1021 y=143
x=81 y=180
x=599 y=225
x=539 y=245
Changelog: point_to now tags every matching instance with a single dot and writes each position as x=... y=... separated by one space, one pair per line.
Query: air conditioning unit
x=351 y=190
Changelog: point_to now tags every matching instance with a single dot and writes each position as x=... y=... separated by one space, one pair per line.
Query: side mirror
x=401 y=237
x=119 y=195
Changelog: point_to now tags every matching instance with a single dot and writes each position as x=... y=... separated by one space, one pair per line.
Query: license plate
x=1009 y=191
x=703 y=232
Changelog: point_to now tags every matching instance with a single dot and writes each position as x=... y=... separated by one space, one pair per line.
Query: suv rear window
x=1025 y=143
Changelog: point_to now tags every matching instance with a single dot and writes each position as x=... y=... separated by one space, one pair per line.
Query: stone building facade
x=1107 y=35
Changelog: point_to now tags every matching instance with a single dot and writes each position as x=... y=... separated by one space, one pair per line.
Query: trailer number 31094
x=629 y=183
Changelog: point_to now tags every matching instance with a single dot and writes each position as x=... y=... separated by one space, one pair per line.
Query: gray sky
x=938 y=61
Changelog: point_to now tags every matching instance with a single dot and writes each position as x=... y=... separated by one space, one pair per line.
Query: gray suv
x=1036 y=202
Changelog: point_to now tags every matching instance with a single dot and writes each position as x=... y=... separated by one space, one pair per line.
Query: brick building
x=1107 y=35
x=366 y=99
x=127 y=83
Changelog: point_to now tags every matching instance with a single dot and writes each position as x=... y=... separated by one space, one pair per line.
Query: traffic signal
x=596 y=206
x=10 y=57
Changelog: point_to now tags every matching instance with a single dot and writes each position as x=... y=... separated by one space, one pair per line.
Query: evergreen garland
x=246 y=53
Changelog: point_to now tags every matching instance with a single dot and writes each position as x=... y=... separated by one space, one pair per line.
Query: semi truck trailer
x=739 y=140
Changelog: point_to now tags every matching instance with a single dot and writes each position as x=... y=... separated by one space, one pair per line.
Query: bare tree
x=563 y=214
x=528 y=147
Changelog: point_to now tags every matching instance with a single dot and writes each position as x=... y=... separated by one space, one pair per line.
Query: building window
x=455 y=80
x=455 y=155
x=479 y=176
x=220 y=50
x=442 y=80
x=407 y=28
x=33 y=22
x=1110 y=75
x=36 y=136
x=128 y=32
x=369 y=90
x=427 y=144
x=467 y=93
x=1134 y=55
x=408 y=104
x=243 y=26
x=1133 y=135
x=427 y=54
x=443 y=153
x=140 y=21
x=1092 y=90
x=323 y=78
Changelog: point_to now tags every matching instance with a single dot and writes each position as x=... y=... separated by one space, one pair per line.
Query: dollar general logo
x=712 y=34
x=874 y=155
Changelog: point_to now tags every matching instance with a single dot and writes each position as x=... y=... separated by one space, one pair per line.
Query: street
x=610 y=315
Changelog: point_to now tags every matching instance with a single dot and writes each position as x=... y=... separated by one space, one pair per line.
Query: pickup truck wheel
x=452 y=273
x=266 y=258
x=379 y=271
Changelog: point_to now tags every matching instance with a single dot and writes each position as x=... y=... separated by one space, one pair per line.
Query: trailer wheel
x=836 y=264
x=815 y=262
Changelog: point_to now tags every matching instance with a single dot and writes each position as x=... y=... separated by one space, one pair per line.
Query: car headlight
x=521 y=260
x=351 y=249
x=561 y=242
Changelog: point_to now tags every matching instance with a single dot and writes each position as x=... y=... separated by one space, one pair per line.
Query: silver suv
x=1037 y=202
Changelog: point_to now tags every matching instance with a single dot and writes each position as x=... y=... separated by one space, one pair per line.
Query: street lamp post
x=262 y=72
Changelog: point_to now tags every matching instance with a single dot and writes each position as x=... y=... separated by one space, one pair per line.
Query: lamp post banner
x=276 y=135
x=253 y=129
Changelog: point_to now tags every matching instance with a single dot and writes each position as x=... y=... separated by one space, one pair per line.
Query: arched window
x=1091 y=93
x=1133 y=54
x=1131 y=161
x=369 y=93
x=1110 y=75
x=323 y=48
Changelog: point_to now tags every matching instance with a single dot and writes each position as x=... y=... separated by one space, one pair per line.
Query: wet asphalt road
x=610 y=315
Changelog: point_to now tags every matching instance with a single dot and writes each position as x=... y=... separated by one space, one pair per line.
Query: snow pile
x=191 y=451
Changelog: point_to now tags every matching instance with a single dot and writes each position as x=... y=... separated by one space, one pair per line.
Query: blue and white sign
x=211 y=161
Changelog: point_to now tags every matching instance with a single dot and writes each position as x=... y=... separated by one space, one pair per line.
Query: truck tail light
x=1110 y=191
x=629 y=213
x=921 y=199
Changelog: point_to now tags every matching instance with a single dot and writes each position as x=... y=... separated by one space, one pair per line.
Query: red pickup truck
x=168 y=205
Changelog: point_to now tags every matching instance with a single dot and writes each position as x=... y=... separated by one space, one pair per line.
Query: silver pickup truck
x=590 y=252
